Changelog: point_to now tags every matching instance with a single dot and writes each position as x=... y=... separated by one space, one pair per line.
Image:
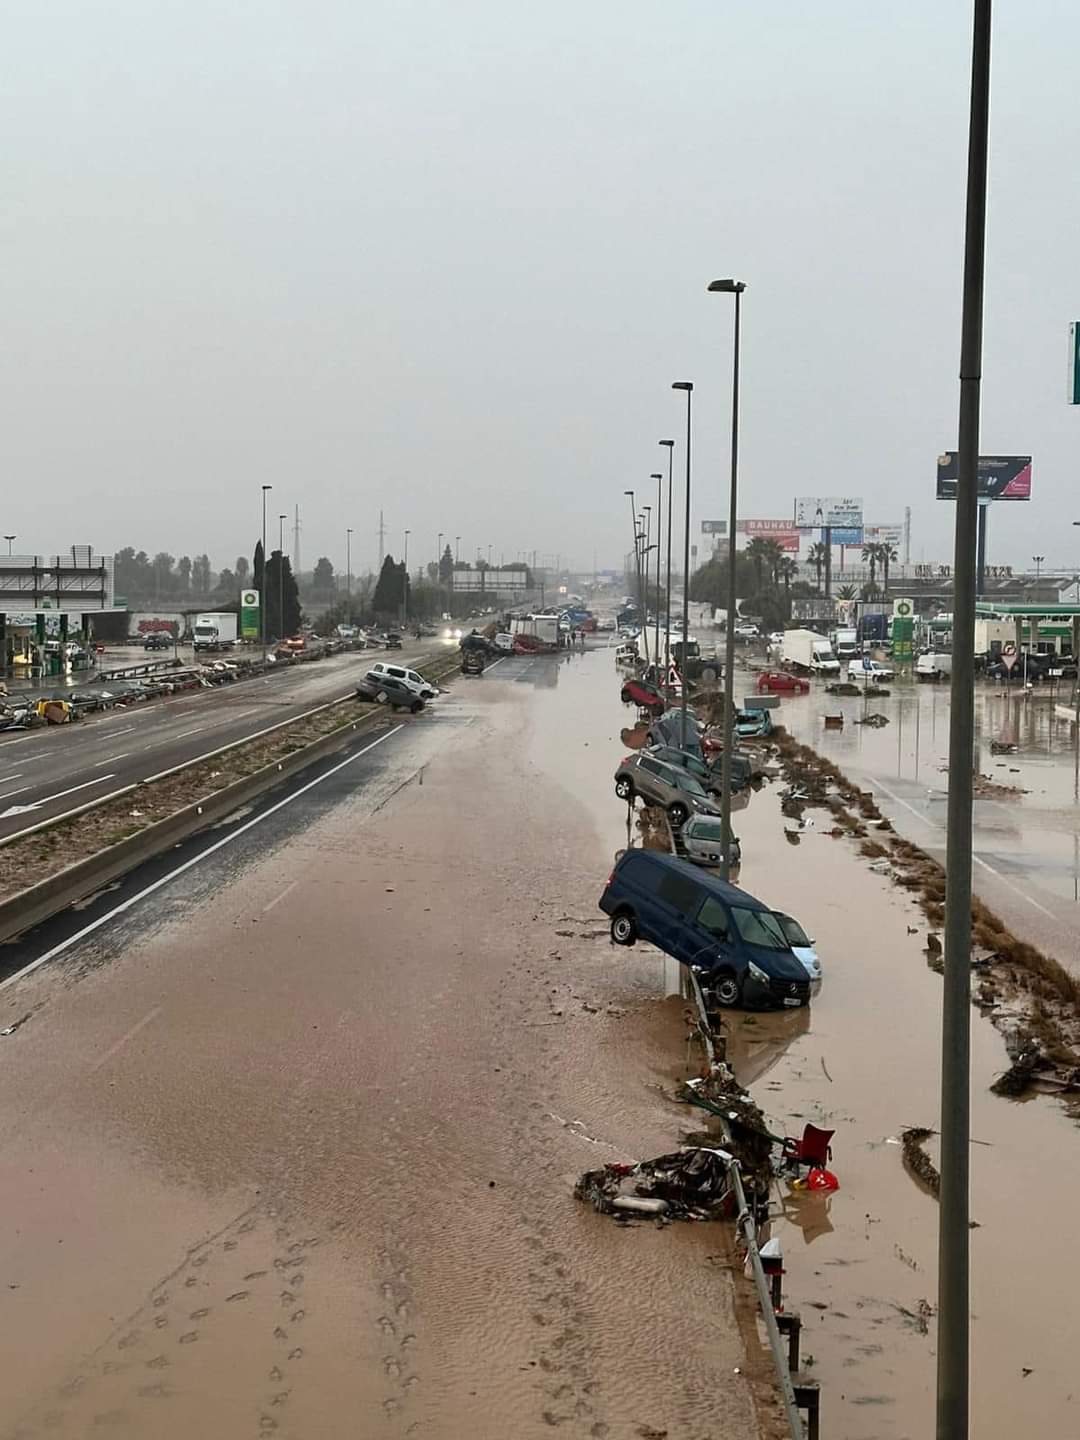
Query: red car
x=644 y=695
x=779 y=682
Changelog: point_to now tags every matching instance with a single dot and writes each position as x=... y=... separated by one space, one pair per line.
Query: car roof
x=721 y=888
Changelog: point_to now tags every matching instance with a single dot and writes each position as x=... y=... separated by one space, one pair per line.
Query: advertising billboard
x=847 y=535
x=250 y=621
x=782 y=531
x=1001 y=477
x=883 y=534
x=714 y=527
x=814 y=512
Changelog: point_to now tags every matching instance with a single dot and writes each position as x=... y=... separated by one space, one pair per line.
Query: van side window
x=397 y=674
x=713 y=917
x=679 y=890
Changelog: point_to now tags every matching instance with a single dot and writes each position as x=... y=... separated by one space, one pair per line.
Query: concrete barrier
x=48 y=897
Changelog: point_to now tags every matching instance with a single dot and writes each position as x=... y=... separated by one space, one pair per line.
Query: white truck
x=214 y=631
x=933 y=665
x=845 y=644
x=808 y=653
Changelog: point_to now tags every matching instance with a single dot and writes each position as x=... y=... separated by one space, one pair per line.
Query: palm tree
x=773 y=555
x=871 y=556
x=887 y=556
x=845 y=592
x=787 y=569
x=757 y=552
x=817 y=556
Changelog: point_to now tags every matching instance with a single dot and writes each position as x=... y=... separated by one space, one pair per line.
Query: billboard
x=883 y=534
x=714 y=527
x=847 y=535
x=782 y=531
x=250 y=622
x=814 y=512
x=1001 y=477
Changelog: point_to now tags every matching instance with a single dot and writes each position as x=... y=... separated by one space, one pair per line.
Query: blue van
x=733 y=941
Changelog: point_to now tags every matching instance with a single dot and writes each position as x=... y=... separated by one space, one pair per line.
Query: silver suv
x=668 y=786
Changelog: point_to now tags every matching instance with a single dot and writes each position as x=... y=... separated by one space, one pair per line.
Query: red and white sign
x=1009 y=656
x=782 y=531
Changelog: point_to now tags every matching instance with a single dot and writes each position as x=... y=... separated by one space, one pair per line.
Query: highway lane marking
x=17 y=776
x=19 y=791
x=109 y=760
x=278 y=898
x=978 y=860
x=184 y=733
x=245 y=739
x=132 y=900
x=113 y=733
x=150 y=1016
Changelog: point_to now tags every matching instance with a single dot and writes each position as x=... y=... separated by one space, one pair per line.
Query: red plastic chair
x=813 y=1150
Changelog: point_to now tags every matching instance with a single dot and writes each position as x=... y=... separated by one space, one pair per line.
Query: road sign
x=1009 y=656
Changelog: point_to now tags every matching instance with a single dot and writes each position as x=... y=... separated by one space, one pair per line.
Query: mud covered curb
x=152 y=816
x=1030 y=997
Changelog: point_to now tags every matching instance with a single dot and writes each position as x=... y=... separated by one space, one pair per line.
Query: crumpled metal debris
x=689 y=1184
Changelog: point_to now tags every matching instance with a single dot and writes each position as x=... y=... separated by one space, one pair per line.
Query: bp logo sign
x=903 y=609
x=249 y=599
x=249 y=615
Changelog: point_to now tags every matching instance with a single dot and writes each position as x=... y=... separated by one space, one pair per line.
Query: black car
x=393 y=641
x=158 y=641
x=388 y=691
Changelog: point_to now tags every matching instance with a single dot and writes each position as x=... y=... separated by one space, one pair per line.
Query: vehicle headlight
x=756 y=973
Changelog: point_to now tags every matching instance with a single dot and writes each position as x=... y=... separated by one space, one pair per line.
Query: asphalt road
x=289 y=1120
x=47 y=773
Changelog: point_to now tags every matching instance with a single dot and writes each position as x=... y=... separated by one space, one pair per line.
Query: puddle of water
x=865 y=1061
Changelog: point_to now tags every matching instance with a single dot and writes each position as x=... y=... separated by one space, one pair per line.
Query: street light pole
x=646 y=546
x=9 y=539
x=730 y=287
x=953 y=1349
x=405 y=583
x=262 y=577
x=348 y=574
x=637 y=543
x=1038 y=566
x=670 y=444
x=659 y=531
x=688 y=386
x=281 y=575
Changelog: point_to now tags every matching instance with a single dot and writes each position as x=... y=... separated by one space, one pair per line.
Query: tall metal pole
x=688 y=386
x=953 y=1379
x=348 y=573
x=281 y=574
x=405 y=583
x=262 y=577
x=637 y=546
x=729 y=646
x=659 y=531
x=670 y=444
x=643 y=592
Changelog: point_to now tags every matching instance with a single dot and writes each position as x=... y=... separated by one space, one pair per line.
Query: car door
x=651 y=780
x=680 y=896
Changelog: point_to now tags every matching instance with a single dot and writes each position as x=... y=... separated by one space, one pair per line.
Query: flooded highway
x=288 y=1144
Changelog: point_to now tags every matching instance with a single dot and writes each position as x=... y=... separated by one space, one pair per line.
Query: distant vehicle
x=753 y=724
x=846 y=644
x=504 y=641
x=781 y=682
x=708 y=778
x=802 y=947
x=536 y=633
x=865 y=670
x=733 y=942
x=157 y=640
x=666 y=729
x=667 y=786
x=473 y=662
x=776 y=637
x=701 y=836
x=808 y=653
x=746 y=630
x=933 y=665
x=392 y=641
x=644 y=695
x=214 y=631
x=389 y=691
x=452 y=632
x=607 y=623
x=413 y=681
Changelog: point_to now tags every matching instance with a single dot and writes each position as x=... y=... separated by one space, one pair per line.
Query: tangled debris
x=746 y=1135
x=874 y=719
x=916 y=1161
x=689 y=1184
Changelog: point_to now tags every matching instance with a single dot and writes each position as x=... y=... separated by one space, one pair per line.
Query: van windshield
x=759 y=927
x=796 y=935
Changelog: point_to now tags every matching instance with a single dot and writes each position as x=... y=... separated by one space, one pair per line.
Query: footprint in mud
x=189 y=1338
x=255 y=1275
x=200 y=1314
x=112 y=1367
x=237 y=1295
x=297 y=1316
x=159 y=1362
x=280 y=1334
x=297 y=1354
x=247 y=1227
x=190 y=1281
x=72 y=1387
x=127 y=1341
x=267 y=1423
x=158 y=1391
x=280 y=1398
x=160 y=1300
x=230 y=1244
x=160 y=1321
x=392 y=1367
x=386 y=1325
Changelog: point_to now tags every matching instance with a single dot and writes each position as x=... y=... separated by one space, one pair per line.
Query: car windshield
x=759 y=927
x=686 y=781
x=793 y=931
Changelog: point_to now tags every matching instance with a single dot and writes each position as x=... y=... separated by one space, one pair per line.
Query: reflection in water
x=755 y=1043
x=808 y=1212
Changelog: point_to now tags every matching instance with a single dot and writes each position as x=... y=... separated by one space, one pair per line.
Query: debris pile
x=689 y=1184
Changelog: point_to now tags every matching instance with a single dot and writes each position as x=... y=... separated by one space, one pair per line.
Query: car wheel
x=416 y=707
x=624 y=788
x=677 y=814
x=709 y=674
x=623 y=928
x=727 y=990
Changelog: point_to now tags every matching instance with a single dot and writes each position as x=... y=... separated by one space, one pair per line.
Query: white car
x=776 y=637
x=746 y=630
x=411 y=679
x=802 y=947
x=867 y=669
x=504 y=641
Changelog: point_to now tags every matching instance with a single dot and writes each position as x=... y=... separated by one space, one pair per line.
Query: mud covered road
x=287 y=1145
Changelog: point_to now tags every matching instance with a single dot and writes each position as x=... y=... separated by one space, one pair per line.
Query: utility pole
x=281 y=575
x=296 y=543
x=954 y=1305
x=262 y=577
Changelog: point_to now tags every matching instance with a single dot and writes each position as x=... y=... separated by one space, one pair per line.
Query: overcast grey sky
x=446 y=258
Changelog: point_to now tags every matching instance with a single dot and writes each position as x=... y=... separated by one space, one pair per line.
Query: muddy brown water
x=298 y=1160
x=862 y=1263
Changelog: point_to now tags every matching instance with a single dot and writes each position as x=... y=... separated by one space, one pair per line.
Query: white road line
x=188 y=864
x=48 y=799
x=245 y=739
x=113 y=733
x=977 y=859
x=122 y=756
x=280 y=896
x=21 y=790
x=129 y=1035
x=184 y=733
x=6 y=778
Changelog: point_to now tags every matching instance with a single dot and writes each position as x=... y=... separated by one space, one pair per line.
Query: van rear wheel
x=623 y=928
x=677 y=814
x=727 y=990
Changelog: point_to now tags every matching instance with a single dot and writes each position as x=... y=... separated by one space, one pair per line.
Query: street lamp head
x=671 y=444
x=687 y=385
x=656 y=475
x=267 y=487
x=727 y=287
